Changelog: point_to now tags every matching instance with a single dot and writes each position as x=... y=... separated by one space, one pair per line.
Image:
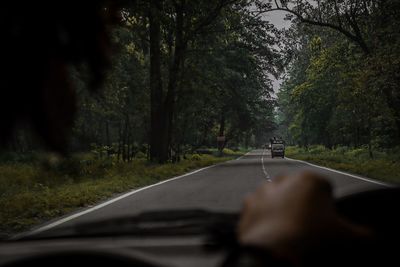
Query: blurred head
x=41 y=40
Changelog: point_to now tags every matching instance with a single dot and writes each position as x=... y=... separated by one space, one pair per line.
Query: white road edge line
x=263 y=167
x=76 y=215
x=243 y=155
x=341 y=172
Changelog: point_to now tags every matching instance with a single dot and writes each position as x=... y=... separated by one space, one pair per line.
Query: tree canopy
x=186 y=72
x=342 y=83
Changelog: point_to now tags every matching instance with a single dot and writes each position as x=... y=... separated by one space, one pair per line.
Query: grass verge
x=384 y=166
x=32 y=193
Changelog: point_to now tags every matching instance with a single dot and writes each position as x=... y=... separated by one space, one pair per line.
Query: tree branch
x=356 y=38
x=210 y=18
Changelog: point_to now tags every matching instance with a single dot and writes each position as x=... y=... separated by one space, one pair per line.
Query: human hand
x=293 y=216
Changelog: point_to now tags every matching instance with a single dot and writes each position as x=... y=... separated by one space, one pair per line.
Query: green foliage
x=316 y=149
x=16 y=157
x=220 y=85
x=337 y=92
x=140 y=155
x=223 y=78
x=384 y=166
x=230 y=152
x=195 y=157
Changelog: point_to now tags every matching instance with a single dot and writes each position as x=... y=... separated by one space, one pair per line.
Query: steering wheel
x=377 y=209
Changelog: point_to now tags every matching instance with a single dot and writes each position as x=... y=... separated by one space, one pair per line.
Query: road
x=220 y=187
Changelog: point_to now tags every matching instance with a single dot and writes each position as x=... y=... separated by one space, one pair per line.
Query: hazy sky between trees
x=277 y=18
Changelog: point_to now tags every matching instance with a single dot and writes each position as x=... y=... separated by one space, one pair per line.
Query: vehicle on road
x=277 y=148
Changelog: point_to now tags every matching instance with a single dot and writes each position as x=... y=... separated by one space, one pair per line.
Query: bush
x=341 y=149
x=140 y=155
x=317 y=149
x=67 y=166
x=195 y=157
x=289 y=150
x=205 y=151
x=357 y=153
x=228 y=151
x=17 y=157
x=384 y=166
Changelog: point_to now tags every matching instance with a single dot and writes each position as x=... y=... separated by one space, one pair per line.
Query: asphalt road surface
x=220 y=187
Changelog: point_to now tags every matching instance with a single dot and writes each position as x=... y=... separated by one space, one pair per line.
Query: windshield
x=109 y=110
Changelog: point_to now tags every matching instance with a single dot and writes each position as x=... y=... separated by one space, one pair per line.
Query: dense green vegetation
x=189 y=71
x=184 y=73
x=34 y=190
x=384 y=166
x=342 y=82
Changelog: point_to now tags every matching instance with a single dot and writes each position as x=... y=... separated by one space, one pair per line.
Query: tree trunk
x=156 y=90
x=119 y=141
x=371 y=155
x=174 y=70
x=221 y=132
x=125 y=154
x=108 y=142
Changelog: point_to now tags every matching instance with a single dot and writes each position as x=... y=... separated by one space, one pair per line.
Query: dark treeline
x=186 y=72
x=342 y=81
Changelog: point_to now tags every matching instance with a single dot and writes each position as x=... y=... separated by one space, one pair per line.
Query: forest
x=341 y=86
x=190 y=85
x=181 y=75
x=186 y=72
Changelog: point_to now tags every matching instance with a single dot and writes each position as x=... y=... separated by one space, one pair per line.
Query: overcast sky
x=277 y=18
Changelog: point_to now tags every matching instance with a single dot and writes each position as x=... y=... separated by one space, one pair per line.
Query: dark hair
x=40 y=40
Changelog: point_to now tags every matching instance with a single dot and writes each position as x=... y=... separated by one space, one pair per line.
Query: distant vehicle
x=277 y=148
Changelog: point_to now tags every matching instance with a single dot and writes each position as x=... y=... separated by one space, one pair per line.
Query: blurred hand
x=294 y=215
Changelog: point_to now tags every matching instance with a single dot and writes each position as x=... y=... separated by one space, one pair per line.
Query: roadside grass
x=225 y=151
x=33 y=192
x=384 y=166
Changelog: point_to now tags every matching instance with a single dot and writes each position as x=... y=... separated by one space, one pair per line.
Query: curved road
x=220 y=187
